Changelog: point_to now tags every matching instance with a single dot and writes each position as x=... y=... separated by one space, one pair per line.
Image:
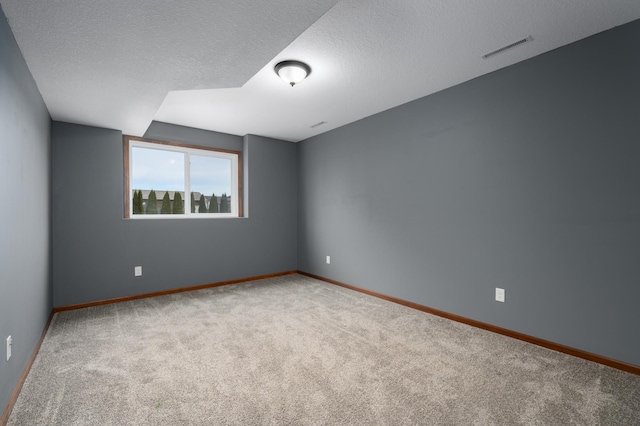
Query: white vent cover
x=505 y=48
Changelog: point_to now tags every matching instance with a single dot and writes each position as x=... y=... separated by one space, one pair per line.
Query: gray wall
x=96 y=249
x=525 y=179
x=25 y=249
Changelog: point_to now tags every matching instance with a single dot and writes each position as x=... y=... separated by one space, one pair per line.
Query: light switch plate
x=500 y=294
x=9 y=344
x=137 y=271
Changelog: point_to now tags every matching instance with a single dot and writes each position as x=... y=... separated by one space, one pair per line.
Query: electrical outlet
x=328 y=260
x=137 y=271
x=499 y=294
x=9 y=344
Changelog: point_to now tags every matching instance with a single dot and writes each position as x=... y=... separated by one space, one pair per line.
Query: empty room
x=330 y=212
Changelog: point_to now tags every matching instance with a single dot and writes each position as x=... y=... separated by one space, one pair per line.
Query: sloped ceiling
x=209 y=64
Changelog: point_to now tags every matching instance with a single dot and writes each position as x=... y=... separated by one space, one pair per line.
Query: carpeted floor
x=293 y=350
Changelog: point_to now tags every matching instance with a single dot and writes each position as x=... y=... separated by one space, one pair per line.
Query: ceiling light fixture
x=293 y=72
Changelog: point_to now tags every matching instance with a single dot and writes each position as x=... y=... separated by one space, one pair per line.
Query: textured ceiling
x=209 y=64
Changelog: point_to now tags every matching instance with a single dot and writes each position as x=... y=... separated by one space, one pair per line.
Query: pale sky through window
x=164 y=170
x=210 y=175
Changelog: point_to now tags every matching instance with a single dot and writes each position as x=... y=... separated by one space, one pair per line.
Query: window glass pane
x=157 y=175
x=210 y=184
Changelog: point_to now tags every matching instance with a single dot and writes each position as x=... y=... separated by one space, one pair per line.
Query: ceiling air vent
x=505 y=48
x=318 y=124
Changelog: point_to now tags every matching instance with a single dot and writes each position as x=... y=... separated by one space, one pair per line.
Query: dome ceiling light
x=292 y=72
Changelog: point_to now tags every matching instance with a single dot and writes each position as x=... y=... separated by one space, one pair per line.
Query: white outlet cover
x=138 y=271
x=500 y=294
x=9 y=344
x=328 y=260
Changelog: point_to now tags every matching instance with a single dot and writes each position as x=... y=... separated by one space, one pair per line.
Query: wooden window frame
x=127 y=177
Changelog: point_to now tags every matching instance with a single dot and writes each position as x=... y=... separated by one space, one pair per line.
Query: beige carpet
x=297 y=351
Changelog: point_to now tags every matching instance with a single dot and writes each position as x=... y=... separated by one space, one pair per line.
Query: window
x=170 y=179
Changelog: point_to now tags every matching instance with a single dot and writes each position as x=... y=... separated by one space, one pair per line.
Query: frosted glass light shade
x=292 y=72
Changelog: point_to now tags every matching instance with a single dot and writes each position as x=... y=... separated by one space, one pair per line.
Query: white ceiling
x=209 y=63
